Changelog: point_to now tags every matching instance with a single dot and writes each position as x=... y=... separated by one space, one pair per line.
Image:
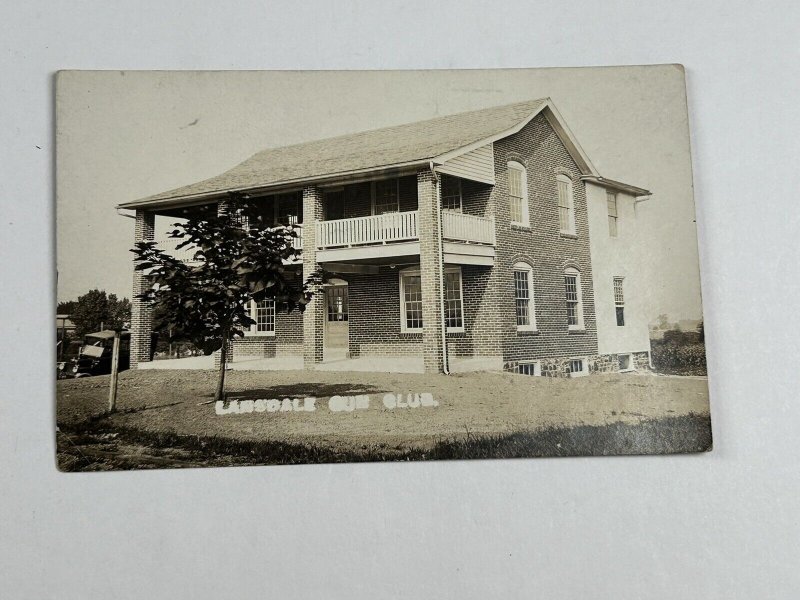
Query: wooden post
x=112 y=393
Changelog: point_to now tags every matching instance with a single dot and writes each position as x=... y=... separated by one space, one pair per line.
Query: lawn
x=167 y=416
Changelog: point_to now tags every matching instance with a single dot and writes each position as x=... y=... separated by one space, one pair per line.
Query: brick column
x=314 y=315
x=141 y=313
x=430 y=270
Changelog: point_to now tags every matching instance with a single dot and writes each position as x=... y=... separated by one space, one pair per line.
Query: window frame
x=570 y=204
x=253 y=330
x=619 y=299
x=413 y=272
x=584 y=367
x=536 y=364
x=374 y=194
x=460 y=208
x=613 y=219
x=528 y=269
x=517 y=166
x=573 y=272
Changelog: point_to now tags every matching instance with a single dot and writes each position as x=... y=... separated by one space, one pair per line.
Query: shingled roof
x=368 y=150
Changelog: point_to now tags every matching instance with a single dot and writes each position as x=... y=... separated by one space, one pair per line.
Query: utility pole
x=112 y=393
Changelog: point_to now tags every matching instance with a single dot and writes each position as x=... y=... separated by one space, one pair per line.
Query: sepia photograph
x=264 y=268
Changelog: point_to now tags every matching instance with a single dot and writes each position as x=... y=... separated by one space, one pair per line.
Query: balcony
x=394 y=235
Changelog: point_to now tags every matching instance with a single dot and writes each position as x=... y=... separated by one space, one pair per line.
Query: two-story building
x=480 y=240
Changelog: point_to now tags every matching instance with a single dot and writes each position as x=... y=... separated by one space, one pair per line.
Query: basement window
x=625 y=362
x=577 y=367
x=532 y=368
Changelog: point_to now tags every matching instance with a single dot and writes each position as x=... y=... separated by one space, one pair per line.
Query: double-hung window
x=386 y=196
x=263 y=313
x=619 y=301
x=523 y=297
x=566 y=205
x=611 y=201
x=572 y=288
x=518 y=194
x=451 y=193
x=411 y=301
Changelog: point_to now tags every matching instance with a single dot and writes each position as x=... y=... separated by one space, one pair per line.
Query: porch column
x=430 y=266
x=141 y=313
x=314 y=315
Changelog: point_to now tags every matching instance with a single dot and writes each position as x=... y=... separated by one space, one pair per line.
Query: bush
x=678 y=355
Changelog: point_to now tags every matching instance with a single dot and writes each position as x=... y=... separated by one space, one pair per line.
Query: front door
x=336 y=323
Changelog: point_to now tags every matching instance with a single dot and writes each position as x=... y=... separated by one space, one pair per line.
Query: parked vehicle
x=94 y=357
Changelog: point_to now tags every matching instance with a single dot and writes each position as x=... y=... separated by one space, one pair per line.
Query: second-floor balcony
x=384 y=236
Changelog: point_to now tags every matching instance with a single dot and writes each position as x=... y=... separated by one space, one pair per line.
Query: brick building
x=481 y=240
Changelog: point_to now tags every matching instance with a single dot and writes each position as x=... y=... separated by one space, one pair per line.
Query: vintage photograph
x=261 y=268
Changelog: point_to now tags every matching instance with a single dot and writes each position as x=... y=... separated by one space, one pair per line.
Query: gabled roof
x=395 y=147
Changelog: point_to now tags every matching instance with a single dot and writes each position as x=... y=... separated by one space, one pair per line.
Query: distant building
x=64 y=326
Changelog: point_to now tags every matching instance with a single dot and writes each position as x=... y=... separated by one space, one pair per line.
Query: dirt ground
x=474 y=403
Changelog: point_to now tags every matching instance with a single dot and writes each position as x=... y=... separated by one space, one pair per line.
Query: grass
x=164 y=419
x=78 y=445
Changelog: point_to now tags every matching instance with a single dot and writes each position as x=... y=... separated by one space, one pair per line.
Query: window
x=523 y=295
x=386 y=196
x=532 y=368
x=263 y=313
x=453 y=313
x=288 y=209
x=572 y=285
x=451 y=193
x=518 y=193
x=625 y=362
x=577 y=367
x=619 y=301
x=411 y=301
x=566 y=212
x=611 y=200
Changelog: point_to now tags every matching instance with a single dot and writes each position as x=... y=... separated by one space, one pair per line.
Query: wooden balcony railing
x=399 y=227
x=467 y=228
x=360 y=231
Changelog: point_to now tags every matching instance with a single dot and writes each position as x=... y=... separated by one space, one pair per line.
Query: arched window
x=518 y=193
x=574 y=298
x=523 y=296
x=566 y=205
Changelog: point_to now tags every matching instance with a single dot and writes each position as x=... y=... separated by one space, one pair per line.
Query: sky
x=124 y=135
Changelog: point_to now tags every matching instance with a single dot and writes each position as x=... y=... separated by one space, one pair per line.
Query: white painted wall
x=619 y=256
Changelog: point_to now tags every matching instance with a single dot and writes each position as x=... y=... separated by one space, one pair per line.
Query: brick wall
x=141 y=313
x=542 y=246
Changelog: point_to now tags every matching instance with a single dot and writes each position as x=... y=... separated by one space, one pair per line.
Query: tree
x=96 y=310
x=66 y=307
x=238 y=259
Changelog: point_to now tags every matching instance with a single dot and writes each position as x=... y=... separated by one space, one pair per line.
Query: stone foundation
x=604 y=363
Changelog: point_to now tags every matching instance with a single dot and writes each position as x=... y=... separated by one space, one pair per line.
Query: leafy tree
x=95 y=310
x=66 y=307
x=208 y=302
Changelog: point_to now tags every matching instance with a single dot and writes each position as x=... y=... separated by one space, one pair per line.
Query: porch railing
x=467 y=228
x=376 y=229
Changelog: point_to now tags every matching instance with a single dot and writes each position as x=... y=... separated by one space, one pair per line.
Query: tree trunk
x=220 y=393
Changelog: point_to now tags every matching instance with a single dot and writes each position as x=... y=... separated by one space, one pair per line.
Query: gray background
x=720 y=525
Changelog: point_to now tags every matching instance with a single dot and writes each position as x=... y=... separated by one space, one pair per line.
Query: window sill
x=520 y=226
x=456 y=331
x=527 y=331
x=568 y=235
x=580 y=331
x=249 y=334
x=411 y=332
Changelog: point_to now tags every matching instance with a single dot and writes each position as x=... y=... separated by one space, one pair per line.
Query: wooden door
x=336 y=323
